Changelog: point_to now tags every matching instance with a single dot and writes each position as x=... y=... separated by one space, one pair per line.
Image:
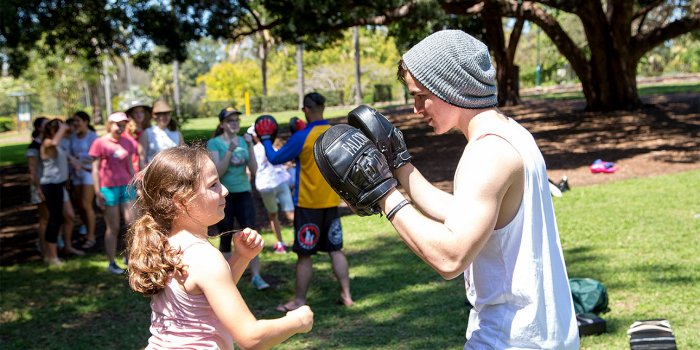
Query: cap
x=251 y=130
x=117 y=117
x=455 y=67
x=227 y=111
x=161 y=106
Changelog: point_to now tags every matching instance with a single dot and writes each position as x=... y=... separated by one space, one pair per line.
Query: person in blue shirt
x=316 y=221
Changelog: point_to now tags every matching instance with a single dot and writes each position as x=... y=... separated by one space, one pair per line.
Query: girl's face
x=116 y=129
x=207 y=205
x=79 y=126
x=163 y=119
x=232 y=124
x=138 y=114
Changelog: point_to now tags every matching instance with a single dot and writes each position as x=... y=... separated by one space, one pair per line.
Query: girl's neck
x=115 y=136
x=186 y=223
x=81 y=133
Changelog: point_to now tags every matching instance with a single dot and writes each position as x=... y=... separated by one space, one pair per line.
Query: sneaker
x=259 y=283
x=563 y=185
x=279 y=248
x=115 y=269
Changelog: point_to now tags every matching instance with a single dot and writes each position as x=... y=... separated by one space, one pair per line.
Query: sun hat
x=130 y=105
x=227 y=112
x=117 y=117
x=161 y=106
x=455 y=67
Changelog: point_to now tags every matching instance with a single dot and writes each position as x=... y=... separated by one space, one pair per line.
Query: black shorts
x=317 y=230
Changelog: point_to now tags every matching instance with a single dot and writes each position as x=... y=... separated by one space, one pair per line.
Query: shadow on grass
x=78 y=306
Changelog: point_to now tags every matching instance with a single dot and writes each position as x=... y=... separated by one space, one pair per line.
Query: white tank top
x=160 y=139
x=518 y=283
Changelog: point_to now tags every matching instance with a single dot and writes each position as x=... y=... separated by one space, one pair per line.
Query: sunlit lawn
x=639 y=237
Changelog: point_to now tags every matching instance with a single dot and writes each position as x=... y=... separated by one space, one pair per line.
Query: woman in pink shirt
x=194 y=300
x=112 y=170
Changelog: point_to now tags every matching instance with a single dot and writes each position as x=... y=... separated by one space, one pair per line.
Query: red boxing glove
x=296 y=124
x=266 y=127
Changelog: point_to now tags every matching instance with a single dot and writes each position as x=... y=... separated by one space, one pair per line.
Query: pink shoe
x=599 y=166
x=279 y=248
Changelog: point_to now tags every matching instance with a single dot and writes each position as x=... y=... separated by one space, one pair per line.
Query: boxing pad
x=266 y=127
x=387 y=138
x=354 y=168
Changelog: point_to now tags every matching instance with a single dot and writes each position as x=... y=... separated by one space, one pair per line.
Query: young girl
x=234 y=159
x=163 y=135
x=80 y=141
x=112 y=170
x=194 y=299
x=139 y=114
x=53 y=179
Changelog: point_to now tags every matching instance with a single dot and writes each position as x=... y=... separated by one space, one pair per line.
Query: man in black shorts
x=316 y=221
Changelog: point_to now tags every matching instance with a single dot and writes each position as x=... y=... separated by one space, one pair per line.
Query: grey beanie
x=455 y=67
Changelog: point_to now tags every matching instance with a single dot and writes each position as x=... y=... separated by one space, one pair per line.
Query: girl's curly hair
x=152 y=260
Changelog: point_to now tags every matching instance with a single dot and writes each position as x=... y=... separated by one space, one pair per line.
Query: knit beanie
x=455 y=67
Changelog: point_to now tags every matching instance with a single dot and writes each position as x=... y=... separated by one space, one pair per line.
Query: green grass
x=200 y=129
x=639 y=237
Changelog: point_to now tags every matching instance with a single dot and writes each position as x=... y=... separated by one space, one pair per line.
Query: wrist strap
x=393 y=211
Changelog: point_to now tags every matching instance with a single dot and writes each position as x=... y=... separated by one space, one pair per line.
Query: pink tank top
x=185 y=321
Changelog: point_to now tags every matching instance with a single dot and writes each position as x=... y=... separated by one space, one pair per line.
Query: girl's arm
x=213 y=277
x=96 y=183
x=252 y=162
x=143 y=146
x=33 y=163
x=222 y=164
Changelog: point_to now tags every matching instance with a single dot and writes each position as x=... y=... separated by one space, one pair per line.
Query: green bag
x=590 y=296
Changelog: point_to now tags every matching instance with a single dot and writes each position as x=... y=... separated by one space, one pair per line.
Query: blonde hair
x=152 y=260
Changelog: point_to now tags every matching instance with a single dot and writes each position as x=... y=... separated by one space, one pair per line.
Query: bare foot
x=343 y=300
x=74 y=251
x=292 y=305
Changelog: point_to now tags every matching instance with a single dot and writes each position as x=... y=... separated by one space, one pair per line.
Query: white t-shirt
x=518 y=283
x=159 y=140
x=268 y=175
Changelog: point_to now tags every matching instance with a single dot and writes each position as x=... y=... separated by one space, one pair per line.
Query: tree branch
x=571 y=6
x=566 y=46
x=643 y=42
x=387 y=17
x=644 y=10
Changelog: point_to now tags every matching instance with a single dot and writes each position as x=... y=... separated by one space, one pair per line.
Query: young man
x=316 y=221
x=498 y=227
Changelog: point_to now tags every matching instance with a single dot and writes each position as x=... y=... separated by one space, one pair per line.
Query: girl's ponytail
x=151 y=259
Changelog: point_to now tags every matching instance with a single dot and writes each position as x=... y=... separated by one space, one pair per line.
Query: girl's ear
x=180 y=202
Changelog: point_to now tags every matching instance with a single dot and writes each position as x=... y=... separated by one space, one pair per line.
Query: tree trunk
x=96 y=103
x=176 y=87
x=263 y=63
x=300 y=73
x=506 y=72
x=358 y=73
x=107 y=83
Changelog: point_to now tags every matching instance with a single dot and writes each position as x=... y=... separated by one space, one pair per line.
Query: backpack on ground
x=590 y=298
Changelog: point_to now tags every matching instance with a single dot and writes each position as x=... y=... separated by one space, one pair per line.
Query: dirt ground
x=662 y=137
